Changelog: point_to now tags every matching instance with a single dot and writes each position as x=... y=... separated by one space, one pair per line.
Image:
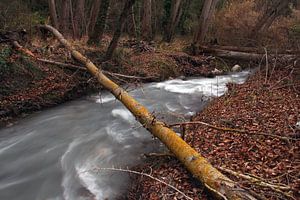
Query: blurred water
x=51 y=155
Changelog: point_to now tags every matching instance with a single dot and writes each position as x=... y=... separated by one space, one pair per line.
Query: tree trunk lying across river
x=214 y=180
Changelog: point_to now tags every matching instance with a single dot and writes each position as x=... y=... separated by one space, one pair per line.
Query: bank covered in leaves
x=250 y=134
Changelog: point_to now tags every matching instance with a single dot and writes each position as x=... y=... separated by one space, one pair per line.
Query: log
x=239 y=55
x=214 y=180
x=258 y=50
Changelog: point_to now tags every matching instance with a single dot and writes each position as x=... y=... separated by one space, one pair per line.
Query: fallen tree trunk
x=214 y=180
x=258 y=50
x=239 y=55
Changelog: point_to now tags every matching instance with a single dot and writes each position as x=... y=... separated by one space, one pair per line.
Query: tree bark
x=214 y=180
x=278 y=8
x=119 y=26
x=93 y=16
x=205 y=18
x=146 y=20
x=176 y=11
x=96 y=35
x=65 y=17
x=79 y=24
x=53 y=13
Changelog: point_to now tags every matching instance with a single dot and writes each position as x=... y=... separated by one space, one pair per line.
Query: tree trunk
x=205 y=18
x=278 y=8
x=214 y=180
x=175 y=15
x=146 y=20
x=245 y=56
x=93 y=16
x=53 y=13
x=119 y=26
x=154 y=18
x=79 y=18
x=96 y=35
x=65 y=17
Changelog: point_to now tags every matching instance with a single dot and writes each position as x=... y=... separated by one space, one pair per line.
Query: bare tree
x=65 y=16
x=53 y=13
x=93 y=16
x=274 y=9
x=146 y=20
x=118 y=30
x=176 y=12
x=96 y=35
x=205 y=19
x=79 y=19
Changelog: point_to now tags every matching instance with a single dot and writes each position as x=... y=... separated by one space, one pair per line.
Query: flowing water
x=53 y=154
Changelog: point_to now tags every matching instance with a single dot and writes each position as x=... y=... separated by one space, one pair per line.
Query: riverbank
x=265 y=107
x=28 y=85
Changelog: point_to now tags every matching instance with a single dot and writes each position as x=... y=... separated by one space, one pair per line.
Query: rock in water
x=217 y=72
x=236 y=68
x=298 y=125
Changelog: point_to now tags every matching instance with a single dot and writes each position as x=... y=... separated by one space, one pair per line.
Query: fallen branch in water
x=144 y=174
x=159 y=155
x=200 y=168
x=225 y=129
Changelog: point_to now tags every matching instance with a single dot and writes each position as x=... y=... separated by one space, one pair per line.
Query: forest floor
x=264 y=104
x=28 y=85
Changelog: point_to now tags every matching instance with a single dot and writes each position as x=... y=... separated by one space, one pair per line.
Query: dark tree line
x=145 y=19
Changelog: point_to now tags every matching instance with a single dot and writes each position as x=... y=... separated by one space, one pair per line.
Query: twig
x=71 y=66
x=82 y=68
x=267 y=66
x=147 y=175
x=159 y=155
x=231 y=130
x=260 y=182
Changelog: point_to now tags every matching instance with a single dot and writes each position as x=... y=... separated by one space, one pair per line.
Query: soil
x=264 y=104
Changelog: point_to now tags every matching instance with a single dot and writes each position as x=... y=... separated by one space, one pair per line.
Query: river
x=53 y=154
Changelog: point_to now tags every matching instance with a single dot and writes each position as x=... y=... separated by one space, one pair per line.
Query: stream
x=56 y=154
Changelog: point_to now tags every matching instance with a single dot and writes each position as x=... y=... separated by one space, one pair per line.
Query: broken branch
x=225 y=129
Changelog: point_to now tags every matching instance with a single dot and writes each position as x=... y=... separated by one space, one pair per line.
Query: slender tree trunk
x=201 y=169
x=72 y=19
x=53 y=13
x=118 y=31
x=185 y=11
x=146 y=20
x=79 y=18
x=205 y=18
x=96 y=35
x=93 y=16
x=65 y=17
x=278 y=8
x=176 y=11
x=154 y=18
x=133 y=22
